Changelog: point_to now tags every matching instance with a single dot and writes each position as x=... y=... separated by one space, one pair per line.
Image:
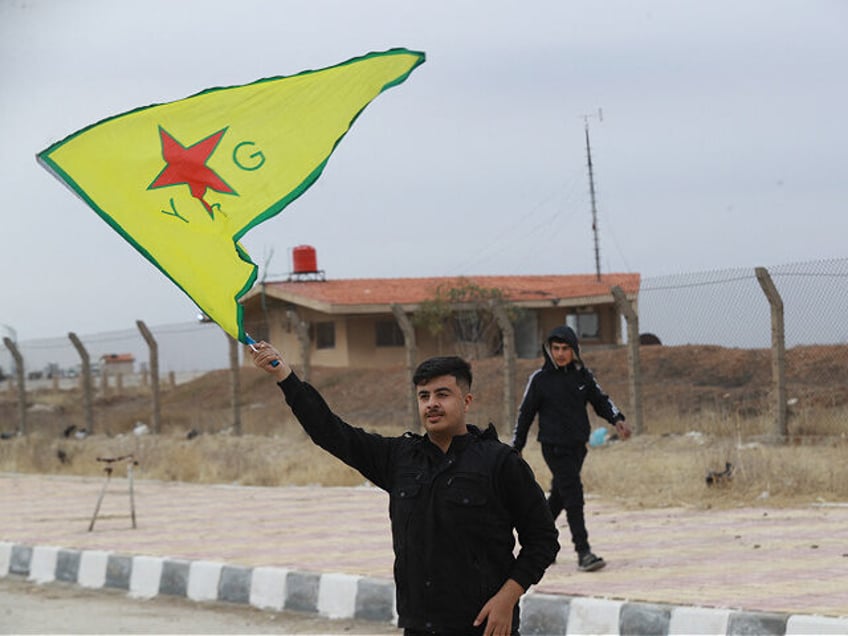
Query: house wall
x=282 y=333
x=548 y=319
x=117 y=368
x=364 y=352
x=285 y=340
x=363 y=349
x=336 y=356
x=430 y=345
x=355 y=336
x=609 y=324
x=610 y=332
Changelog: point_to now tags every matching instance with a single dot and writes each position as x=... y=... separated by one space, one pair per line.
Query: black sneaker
x=588 y=562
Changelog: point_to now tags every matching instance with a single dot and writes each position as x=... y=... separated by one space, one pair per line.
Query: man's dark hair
x=444 y=365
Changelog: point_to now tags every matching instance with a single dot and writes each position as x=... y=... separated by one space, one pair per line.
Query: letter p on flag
x=183 y=181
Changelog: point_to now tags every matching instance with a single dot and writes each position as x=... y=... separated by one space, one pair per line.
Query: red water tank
x=305 y=259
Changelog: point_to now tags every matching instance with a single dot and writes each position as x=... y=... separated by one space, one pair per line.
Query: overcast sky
x=722 y=144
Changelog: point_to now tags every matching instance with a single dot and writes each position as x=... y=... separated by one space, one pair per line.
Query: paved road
x=61 y=608
x=758 y=559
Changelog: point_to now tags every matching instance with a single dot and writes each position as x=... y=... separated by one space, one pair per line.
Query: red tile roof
x=406 y=291
x=114 y=358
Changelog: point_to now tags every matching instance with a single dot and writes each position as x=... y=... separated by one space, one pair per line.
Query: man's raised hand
x=264 y=356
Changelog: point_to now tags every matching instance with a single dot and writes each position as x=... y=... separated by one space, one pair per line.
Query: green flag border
x=44 y=159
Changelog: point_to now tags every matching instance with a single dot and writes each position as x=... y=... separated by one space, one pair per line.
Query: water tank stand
x=301 y=277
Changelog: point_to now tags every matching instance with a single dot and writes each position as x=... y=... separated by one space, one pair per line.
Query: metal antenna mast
x=600 y=117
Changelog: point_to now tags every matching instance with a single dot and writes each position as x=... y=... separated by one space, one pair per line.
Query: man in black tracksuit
x=558 y=393
x=455 y=496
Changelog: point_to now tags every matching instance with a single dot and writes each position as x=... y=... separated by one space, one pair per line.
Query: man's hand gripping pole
x=250 y=342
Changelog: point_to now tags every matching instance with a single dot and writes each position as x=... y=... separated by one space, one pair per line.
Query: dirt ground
x=702 y=406
x=678 y=381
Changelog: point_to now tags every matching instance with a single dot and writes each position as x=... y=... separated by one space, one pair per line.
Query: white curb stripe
x=5 y=557
x=92 y=568
x=816 y=625
x=42 y=567
x=698 y=620
x=268 y=588
x=337 y=595
x=145 y=576
x=593 y=616
x=203 y=578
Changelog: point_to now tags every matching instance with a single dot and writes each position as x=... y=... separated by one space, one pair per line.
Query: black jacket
x=452 y=514
x=559 y=396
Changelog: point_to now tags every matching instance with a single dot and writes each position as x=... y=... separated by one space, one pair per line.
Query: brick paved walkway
x=757 y=559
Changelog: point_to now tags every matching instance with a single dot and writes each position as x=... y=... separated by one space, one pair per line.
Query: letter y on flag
x=185 y=180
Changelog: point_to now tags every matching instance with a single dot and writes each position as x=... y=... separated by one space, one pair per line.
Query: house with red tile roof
x=354 y=323
x=117 y=364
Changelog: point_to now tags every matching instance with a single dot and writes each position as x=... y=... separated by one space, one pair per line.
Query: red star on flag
x=187 y=165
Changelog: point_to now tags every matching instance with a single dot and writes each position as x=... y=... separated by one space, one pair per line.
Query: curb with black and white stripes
x=335 y=595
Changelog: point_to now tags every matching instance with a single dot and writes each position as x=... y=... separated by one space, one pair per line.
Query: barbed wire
x=649 y=286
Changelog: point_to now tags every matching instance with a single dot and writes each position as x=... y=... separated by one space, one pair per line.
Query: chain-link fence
x=736 y=384
x=185 y=350
x=719 y=322
x=728 y=308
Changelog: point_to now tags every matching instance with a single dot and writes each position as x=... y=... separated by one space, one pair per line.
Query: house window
x=388 y=334
x=325 y=335
x=585 y=325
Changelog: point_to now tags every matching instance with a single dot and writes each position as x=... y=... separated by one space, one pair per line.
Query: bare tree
x=463 y=311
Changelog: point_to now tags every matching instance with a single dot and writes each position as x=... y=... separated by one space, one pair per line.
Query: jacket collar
x=461 y=442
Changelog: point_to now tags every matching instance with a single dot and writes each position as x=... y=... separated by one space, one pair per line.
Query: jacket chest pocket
x=403 y=499
x=466 y=493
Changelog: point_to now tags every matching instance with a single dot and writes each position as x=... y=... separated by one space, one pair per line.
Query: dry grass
x=695 y=425
x=646 y=471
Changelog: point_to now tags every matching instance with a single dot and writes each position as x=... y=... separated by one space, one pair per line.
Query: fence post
x=410 y=346
x=235 y=381
x=508 y=338
x=625 y=308
x=86 y=381
x=19 y=368
x=301 y=328
x=154 y=373
x=778 y=349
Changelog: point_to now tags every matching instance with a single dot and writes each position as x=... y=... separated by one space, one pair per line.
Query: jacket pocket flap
x=407 y=491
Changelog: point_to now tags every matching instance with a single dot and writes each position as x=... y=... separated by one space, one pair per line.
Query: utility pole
x=600 y=116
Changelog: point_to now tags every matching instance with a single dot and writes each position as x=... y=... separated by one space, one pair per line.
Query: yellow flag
x=185 y=180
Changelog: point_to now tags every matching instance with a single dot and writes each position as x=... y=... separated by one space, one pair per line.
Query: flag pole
x=250 y=342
